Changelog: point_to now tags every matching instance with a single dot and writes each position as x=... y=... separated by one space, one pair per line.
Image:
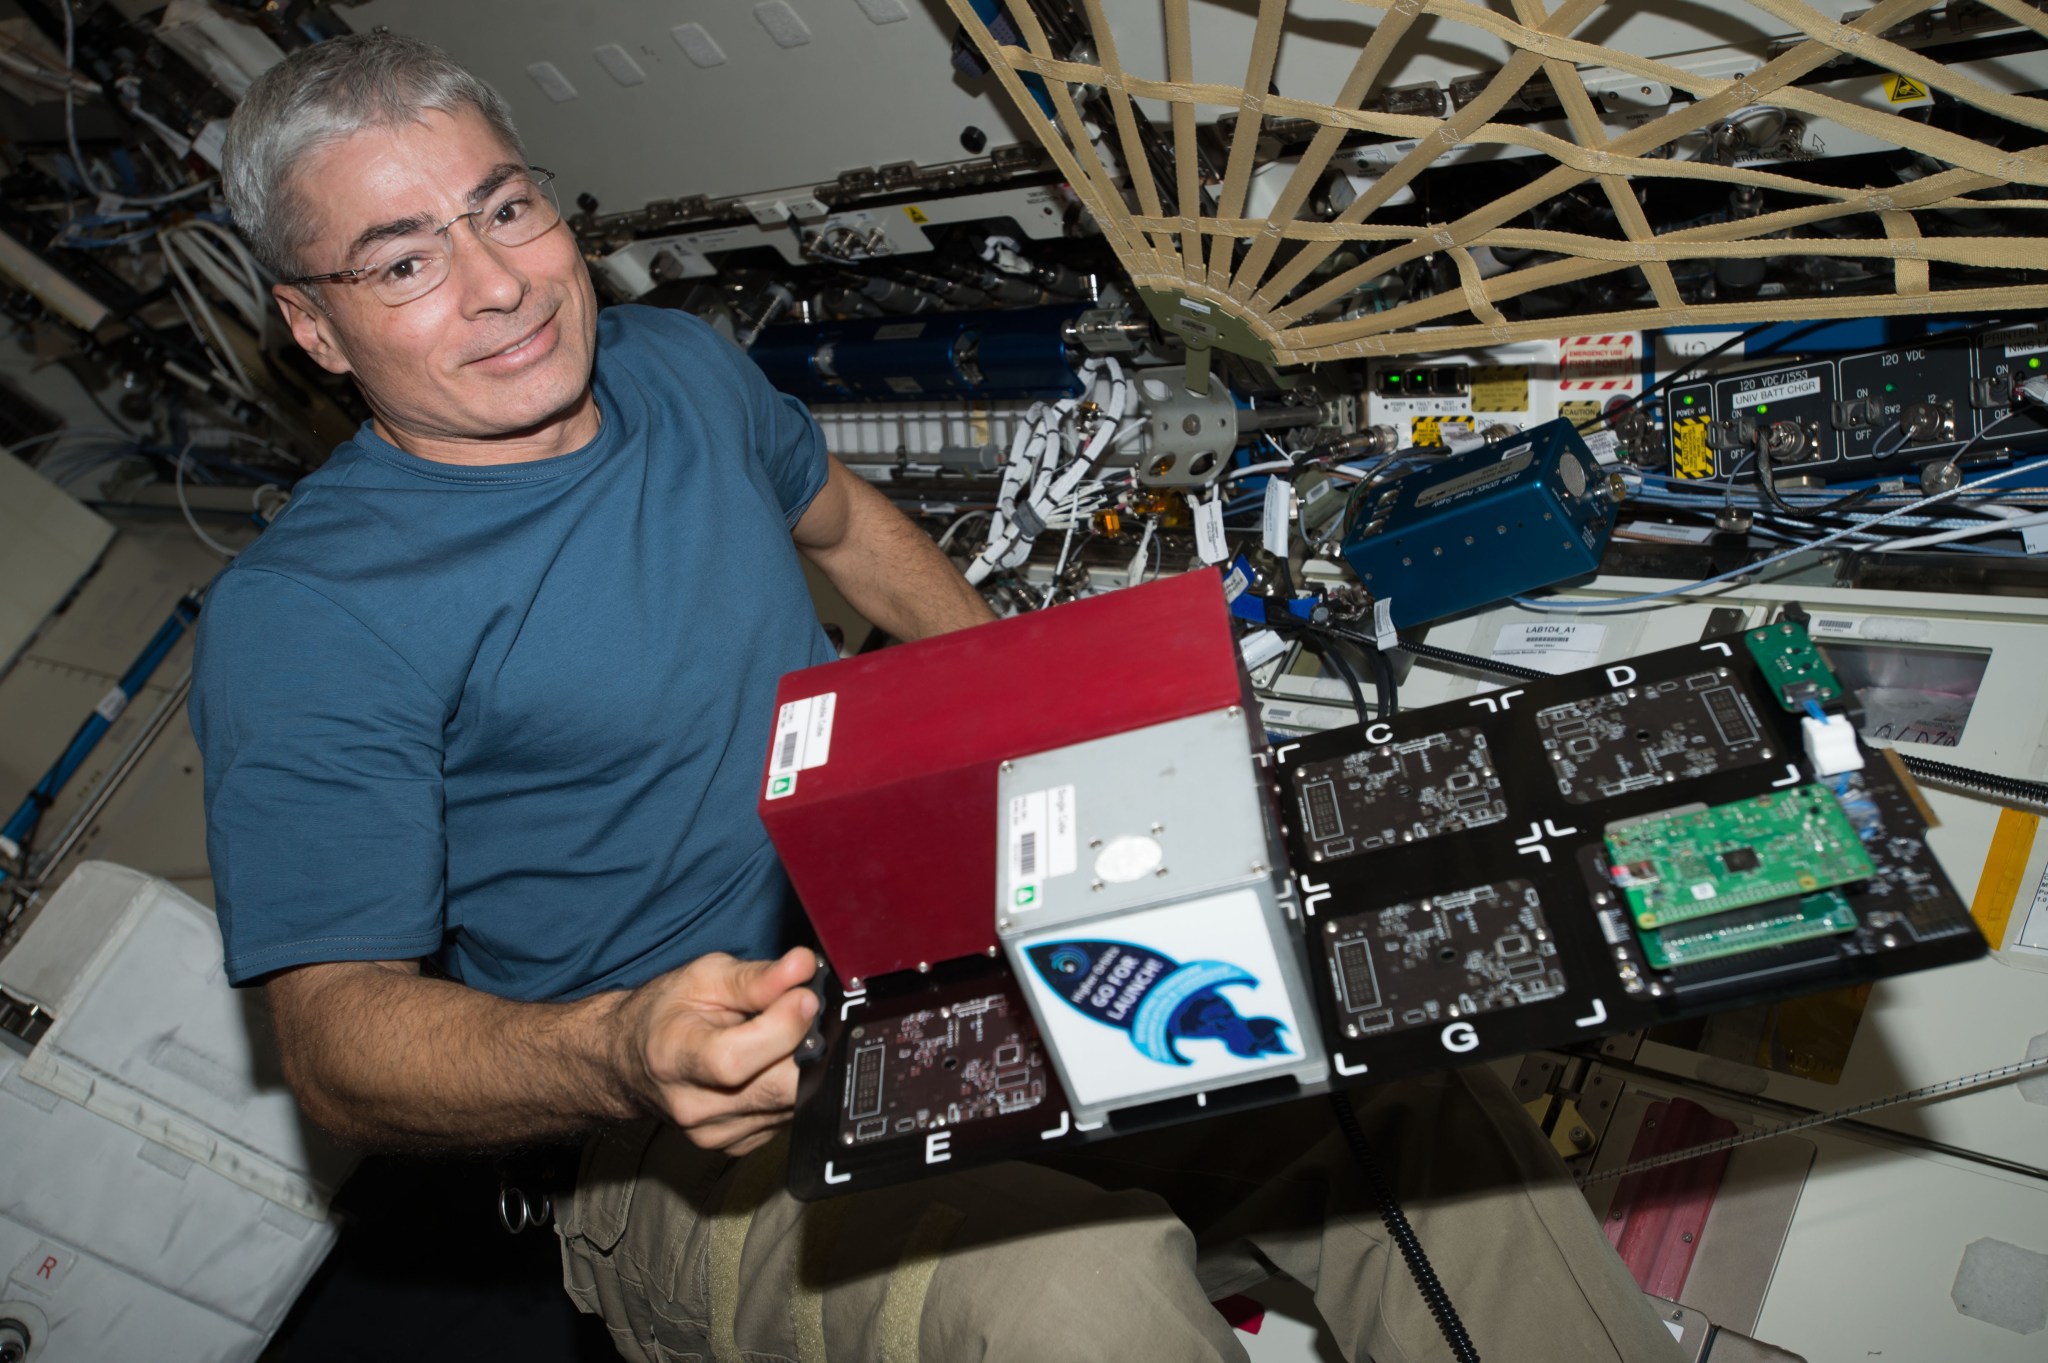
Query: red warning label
x=1605 y=363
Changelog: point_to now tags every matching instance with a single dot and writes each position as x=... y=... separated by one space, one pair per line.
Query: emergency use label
x=803 y=739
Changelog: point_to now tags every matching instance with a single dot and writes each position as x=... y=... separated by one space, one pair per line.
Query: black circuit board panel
x=1395 y=793
x=1574 y=755
x=1651 y=734
x=1445 y=956
x=942 y=1066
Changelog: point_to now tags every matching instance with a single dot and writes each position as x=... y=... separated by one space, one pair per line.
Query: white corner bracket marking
x=1715 y=644
x=1313 y=893
x=849 y=1003
x=1791 y=777
x=1280 y=753
x=831 y=1177
x=1533 y=843
x=1066 y=1125
x=1593 y=1019
x=1342 y=1067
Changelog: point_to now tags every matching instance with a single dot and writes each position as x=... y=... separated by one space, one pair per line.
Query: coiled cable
x=1403 y=1234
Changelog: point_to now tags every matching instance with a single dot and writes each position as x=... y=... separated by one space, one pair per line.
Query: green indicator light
x=2034 y=362
x=1761 y=409
x=1891 y=388
x=1393 y=378
x=1687 y=399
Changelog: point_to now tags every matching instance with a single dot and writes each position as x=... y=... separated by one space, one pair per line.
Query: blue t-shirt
x=517 y=715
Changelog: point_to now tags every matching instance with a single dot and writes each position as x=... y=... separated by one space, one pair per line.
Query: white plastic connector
x=10 y=850
x=1831 y=747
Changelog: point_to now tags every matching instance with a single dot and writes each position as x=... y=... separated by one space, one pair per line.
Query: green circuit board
x=1697 y=862
x=1792 y=666
x=1757 y=928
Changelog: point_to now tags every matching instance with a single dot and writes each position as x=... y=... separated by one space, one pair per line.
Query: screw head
x=1160 y=872
x=1192 y=424
x=924 y=967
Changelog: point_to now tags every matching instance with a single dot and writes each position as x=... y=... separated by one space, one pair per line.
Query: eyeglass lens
x=515 y=214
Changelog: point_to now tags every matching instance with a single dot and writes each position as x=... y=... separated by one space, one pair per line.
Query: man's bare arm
x=384 y=1057
x=886 y=567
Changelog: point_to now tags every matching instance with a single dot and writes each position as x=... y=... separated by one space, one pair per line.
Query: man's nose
x=483 y=270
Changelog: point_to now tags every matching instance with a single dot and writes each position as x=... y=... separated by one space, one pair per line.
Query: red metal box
x=880 y=792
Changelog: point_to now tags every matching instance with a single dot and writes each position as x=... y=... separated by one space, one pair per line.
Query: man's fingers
x=690 y=1048
x=747 y=986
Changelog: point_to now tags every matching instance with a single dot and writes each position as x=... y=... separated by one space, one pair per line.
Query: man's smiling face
x=492 y=366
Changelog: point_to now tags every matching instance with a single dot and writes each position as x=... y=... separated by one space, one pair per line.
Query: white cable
x=178 y=482
x=2004 y=1074
x=1970 y=532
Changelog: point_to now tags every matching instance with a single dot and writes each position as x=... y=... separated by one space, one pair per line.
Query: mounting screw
x=1158 y=828
x=1094 y=843
x=1007 y=766
x=1258 y=868
x=1095 y=885
x=973 y=139
x=1687 y=1237
x=1233 y=712
x=924 y=967
x=1160 y=872
x=853 y=985
x=1002 y=925
x=1192 y=424
x=994 y=950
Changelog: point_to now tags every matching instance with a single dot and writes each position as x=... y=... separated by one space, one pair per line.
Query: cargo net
x=1946 y=217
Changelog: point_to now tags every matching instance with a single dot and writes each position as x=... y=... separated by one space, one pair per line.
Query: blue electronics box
x=1485 y=525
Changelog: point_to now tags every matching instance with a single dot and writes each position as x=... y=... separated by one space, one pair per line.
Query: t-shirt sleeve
x=322 y=750
x=786 y=442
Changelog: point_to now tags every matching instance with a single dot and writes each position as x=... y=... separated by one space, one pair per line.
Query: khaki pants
x=1113 y=1252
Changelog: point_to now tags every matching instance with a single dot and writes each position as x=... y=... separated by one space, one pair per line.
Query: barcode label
x=803 y=740
x=1042 y=839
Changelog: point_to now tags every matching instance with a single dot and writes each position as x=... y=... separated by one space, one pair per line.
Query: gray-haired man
x=494 y=691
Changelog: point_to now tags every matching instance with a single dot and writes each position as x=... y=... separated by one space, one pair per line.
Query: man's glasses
x=414 y=265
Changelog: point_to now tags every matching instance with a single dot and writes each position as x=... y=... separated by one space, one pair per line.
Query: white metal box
x=161 y=1196
x=1143 y=906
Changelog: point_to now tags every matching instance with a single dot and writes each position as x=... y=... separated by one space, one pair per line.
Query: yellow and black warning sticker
x=1579 y=411
x=1426 y=431
x=1500 y=388
x=915 y=214
x=1904 y=90
x=1690 y=456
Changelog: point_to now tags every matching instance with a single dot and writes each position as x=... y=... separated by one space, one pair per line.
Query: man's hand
x=386 y=1058
x=710 y=1045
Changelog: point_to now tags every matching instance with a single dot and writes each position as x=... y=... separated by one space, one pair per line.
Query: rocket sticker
x=1160 y=1002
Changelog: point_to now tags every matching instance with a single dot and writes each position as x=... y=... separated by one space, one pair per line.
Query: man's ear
x=311 y=327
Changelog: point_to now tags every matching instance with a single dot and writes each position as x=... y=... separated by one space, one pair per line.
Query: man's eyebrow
x=420 y=222
x=500 y=173
x=386 y=231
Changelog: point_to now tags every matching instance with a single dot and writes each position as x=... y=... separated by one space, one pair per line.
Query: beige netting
x=1224 y=277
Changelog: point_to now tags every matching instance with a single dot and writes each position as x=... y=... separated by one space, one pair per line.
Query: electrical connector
x=1831 y=745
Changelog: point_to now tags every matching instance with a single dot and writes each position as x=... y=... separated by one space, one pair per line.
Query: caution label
x=1690 y=456
x=1904 y=90
x=1426 y=431
x=915 y=214
x=1579 y=411
x=1500 y=388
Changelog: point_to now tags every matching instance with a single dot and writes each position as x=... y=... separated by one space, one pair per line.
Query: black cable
x=1631 y=403
x=1784 y=508
x=1514 y=671
x=1402 y=1234
x=1989 y=784
x=1333 y=655
x=1383 y=680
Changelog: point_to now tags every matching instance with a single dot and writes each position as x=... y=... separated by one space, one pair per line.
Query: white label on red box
x=803 y=739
